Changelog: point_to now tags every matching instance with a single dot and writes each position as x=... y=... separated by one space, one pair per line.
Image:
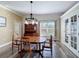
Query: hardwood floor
x=59 y=51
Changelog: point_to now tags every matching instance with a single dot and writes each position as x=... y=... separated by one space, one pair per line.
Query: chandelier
x=31 y=20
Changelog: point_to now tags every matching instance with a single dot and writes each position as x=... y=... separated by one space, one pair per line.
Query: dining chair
x=16 y=42
x=27 y=46
x=36 y=48
x=48 y=44
x=31 y=47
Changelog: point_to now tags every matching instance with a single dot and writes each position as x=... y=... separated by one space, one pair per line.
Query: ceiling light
x=31 y=20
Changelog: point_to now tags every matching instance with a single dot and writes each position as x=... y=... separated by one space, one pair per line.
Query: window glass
x=66 y=30
x=47 y=28
x=74 y=32
x=75 y=18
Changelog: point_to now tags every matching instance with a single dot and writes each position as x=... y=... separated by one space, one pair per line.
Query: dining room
x=37 y=29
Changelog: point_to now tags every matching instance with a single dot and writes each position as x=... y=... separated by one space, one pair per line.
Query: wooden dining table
x=36 y=40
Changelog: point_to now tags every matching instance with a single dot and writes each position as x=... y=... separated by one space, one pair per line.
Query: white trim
x=10 y=10
x=5 y=44
x=70 y=9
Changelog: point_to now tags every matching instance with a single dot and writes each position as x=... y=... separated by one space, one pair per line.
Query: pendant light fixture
x=31 y=20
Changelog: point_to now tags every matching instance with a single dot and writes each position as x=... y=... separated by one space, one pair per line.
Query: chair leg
x=30 y=52
x=51 y=52
x=12 y=49
x=42 y=52
x=19 y=51
x=18 y=48
x=21 y=46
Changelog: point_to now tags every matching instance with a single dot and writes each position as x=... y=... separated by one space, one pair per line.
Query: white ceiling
x=39 y=7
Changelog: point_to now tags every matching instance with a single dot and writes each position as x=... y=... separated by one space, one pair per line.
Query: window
x=74 y=32
x=47 y=28
x=66 y=30
x=2 y=21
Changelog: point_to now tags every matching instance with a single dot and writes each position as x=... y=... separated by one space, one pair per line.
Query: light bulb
x=36 y=22
x=26 y=22
x=33 y=22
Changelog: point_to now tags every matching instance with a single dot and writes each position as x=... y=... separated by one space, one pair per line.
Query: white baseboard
x=5 y=47
x=6 y=44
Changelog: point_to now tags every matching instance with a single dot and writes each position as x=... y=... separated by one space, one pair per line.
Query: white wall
x=58 y=29
x=6 y=32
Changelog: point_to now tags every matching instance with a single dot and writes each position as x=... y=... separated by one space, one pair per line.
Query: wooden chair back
x=16 y=42
x=51 y=41
x=49 y=44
